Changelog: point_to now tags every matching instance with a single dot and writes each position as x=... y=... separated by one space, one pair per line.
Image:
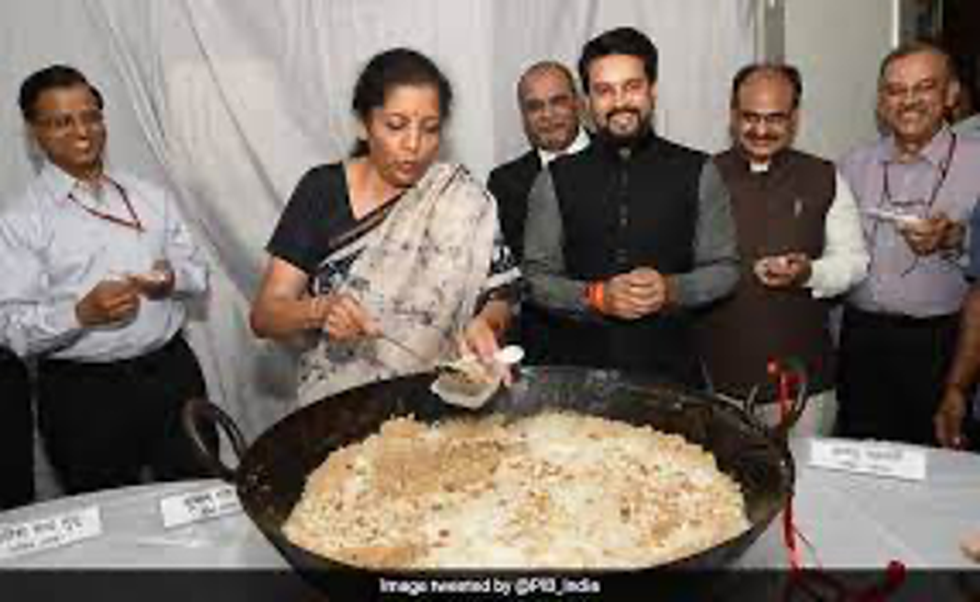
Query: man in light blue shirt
x=915 y=189
x=96 y=265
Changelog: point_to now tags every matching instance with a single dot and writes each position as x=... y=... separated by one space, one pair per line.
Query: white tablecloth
x=851 y=520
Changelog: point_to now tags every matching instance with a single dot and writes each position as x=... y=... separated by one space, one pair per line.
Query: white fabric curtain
x=230 y=101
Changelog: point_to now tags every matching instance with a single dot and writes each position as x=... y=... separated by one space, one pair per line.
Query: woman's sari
x=419 y=273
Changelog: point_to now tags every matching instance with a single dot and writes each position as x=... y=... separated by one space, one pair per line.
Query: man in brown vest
x=800 y=239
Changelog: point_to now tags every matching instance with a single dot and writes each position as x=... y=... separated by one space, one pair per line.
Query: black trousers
x=890 y=374
x=16 y=433
x=104 y=423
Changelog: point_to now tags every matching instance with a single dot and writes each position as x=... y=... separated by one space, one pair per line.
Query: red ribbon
x=812 y=581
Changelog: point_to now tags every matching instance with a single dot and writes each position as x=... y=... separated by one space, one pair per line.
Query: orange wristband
x=595 y=295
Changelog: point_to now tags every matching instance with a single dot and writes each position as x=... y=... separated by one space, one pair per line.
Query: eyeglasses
x=59 y=124
x=770 y=119
x=536 y=106
x=896 y=90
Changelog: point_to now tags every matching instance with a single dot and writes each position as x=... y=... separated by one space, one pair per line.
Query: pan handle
x=200 y=411
x=788 y=377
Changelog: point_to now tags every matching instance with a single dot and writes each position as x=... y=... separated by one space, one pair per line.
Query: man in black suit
x=551 y=110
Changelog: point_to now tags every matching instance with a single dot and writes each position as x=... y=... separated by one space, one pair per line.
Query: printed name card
x=49 y=533
x=878 y=459
x=196 y=506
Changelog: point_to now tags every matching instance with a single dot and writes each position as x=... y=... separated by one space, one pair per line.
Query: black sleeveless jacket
x=621 y=211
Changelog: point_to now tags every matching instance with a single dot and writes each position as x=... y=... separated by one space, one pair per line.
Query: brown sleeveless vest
x=779 y=211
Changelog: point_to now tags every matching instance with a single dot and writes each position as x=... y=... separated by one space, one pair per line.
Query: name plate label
x=878 y=459
x=49 y=533
x=196 y=506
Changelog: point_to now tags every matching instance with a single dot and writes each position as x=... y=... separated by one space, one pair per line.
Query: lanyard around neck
x=133 y=222
x=887 y=199
x=944 y=167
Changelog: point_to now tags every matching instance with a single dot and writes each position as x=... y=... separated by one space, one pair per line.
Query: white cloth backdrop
x=230 y=101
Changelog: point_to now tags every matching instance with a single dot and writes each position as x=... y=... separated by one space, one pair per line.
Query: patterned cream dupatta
x=419 y=275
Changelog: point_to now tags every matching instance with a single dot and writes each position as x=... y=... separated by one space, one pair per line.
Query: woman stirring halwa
x=396 y=258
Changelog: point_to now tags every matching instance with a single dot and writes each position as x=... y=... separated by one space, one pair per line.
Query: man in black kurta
x=624 y=238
